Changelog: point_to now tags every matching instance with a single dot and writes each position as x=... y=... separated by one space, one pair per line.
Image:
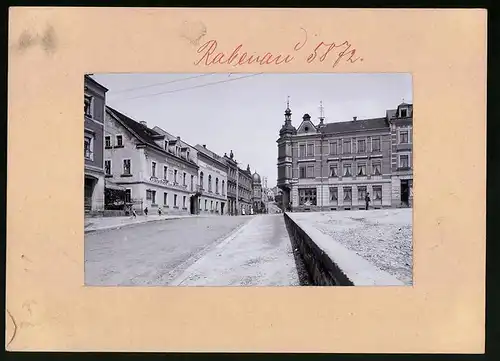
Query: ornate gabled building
x=332 y=166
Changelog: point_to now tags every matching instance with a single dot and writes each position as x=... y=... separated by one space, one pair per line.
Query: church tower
x=284 y=141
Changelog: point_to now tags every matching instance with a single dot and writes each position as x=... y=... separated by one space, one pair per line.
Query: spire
x=321 y=113
x=288 y=112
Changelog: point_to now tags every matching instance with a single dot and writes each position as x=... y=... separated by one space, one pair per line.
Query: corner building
x=331 y=166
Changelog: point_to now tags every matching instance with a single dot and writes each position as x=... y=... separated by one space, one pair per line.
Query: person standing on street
x=367 y=200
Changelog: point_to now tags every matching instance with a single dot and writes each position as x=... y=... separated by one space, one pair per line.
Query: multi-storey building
x=157 y=170
x=212 y=181
x=332 y=166
x=94 y=104
x=256 y=193
x=244 y=190
x=232 y=183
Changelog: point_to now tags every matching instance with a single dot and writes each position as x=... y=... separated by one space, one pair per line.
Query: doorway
x=222 y=204
x=405 y=192
x=88 y=191
x=192 y=204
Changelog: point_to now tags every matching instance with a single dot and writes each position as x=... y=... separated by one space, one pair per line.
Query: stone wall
x=320 y=268
x=328 y=263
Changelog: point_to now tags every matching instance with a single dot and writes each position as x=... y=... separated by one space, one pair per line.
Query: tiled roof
x=145 y=134
x=355 y=125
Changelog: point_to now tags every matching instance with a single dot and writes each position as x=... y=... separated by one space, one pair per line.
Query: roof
x=355 y=125
x=207 y=152
x=145 y=134
x=93 y=81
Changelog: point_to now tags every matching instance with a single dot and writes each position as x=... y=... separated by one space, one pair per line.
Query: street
x=244 y=250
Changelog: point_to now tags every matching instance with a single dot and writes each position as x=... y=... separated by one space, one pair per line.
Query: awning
x=111 y=185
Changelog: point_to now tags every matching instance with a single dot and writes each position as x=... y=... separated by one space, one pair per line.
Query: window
x=184 y=179
x=333 y=148
x=377 y=168
x=403 y=137
x=223 y=190
x=175 y=176
x=209 y=182
x=302 y=149
x=310 y=171
x=334 y=194
x=165 y=172
x=192 y=182
x=377 y=193
x=376 y=144
x=151 y=195
x=119 y=141
x=201 y=182
x=347 y=194
x=107 y=142
x=184 y=202
x=166 y=145
x=211 y=205
x=107 y=167
x=361 y=146
x=165 y=199
x=153 y=169
x=347 y=170
x=361 y=169
x=302 y=171
x=126 y=167
x=206 y=204
x=361 y=193
x=88 y=147
x=307 y=197
x=128 y=195
x=404 y=113
x=310 y=150
x=347 y=147
x=217 y=185
x=88 y=105
x=333 y=171
x=404 y=161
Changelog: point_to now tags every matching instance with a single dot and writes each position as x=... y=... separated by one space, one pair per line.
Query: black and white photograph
x=248 y=179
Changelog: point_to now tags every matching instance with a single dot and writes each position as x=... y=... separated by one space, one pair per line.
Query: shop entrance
x=405 y=192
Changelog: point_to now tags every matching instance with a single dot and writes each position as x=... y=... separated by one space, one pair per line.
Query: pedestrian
x=133 y=213
x=146 y=211
x=367 y=200
x=159 y=211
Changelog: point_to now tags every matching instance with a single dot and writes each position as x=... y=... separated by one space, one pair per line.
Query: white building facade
x=212 y=181
x=158 y=173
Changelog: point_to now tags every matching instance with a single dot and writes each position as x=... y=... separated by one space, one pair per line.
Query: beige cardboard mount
x=48 y=308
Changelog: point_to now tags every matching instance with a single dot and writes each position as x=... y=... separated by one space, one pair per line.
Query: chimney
x=354 y=118
x=178 y=138
x=204 y=145
x=143 y=122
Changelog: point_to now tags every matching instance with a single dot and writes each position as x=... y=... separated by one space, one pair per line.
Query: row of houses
x=333 y=166
x=157 y=170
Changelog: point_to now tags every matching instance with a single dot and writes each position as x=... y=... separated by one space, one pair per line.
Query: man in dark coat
x=367 y=200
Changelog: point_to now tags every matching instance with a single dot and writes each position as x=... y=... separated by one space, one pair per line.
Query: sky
x=245 y=115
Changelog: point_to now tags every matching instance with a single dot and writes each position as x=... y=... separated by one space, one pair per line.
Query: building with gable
x=158 y=171
x=332 y=166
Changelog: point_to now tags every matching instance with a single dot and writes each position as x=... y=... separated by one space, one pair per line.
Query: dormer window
x=403 y=113
x=306 y=129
